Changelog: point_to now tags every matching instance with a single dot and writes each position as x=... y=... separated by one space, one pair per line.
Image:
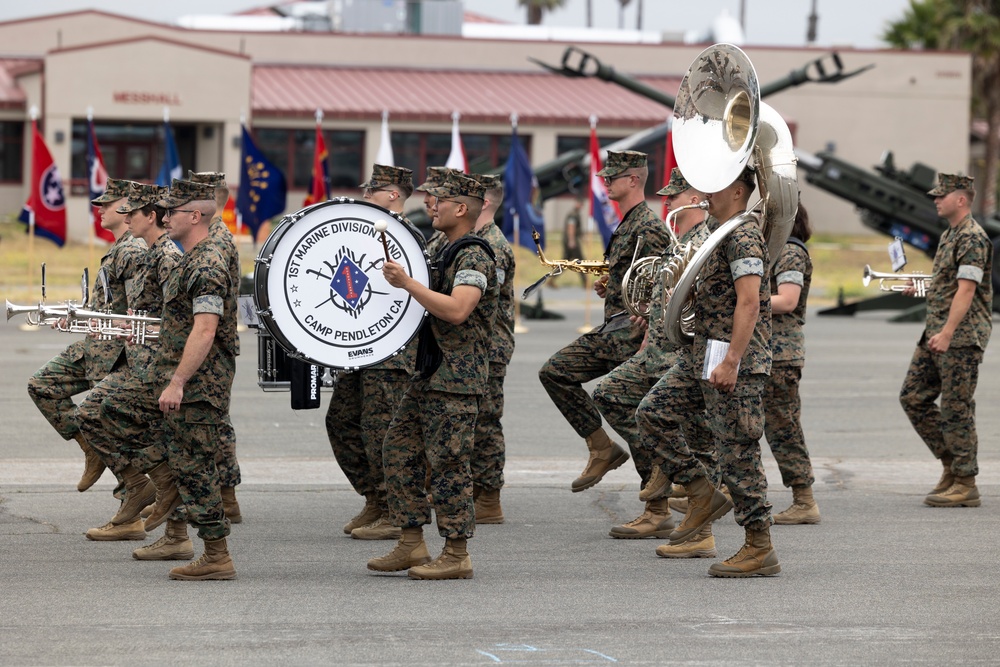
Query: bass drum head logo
x=326 y=291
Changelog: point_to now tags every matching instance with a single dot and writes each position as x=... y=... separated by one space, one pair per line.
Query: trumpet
x=138 y=327
x=921 y=282
x=593 y=267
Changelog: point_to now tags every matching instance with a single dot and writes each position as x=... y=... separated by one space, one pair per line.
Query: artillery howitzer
x=895 y=203
x=570 y=171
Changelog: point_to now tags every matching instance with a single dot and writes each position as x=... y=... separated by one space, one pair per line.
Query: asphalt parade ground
x=883 y=580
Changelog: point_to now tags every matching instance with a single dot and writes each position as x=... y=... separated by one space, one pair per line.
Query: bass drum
x=319 y=288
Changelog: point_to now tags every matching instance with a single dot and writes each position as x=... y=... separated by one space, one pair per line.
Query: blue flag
x=519 y=184
x=262 y=187
x=171 y=167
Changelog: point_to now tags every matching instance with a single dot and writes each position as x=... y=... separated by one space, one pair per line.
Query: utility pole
x=638 y=16
x=590 y=13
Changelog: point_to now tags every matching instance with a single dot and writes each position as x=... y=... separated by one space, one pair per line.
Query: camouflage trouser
x=192 y=442
x=54 y=384
x=120 y=442
x=673 y=426
x=783 y=425
x=489 y=452
x=618 y=396
x=951 y=429
x=435 y=429
x=360 y=411
x=229 y=466
x=125 y=424
x=589 y=357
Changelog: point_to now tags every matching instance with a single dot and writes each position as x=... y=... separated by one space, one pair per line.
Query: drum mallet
x=380 y=227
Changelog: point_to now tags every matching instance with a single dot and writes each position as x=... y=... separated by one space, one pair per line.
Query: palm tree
x=972 y=26
x=621 y=13
x=536 y=8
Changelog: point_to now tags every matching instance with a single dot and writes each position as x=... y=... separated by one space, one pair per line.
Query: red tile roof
x=432 y=95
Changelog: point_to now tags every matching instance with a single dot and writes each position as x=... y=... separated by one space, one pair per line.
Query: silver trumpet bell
x=919 y=282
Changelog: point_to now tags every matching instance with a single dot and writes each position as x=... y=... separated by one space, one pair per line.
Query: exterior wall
x=135 y=81
x=915 y=104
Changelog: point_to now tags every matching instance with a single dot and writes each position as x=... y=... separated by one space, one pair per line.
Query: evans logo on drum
x=326 y=297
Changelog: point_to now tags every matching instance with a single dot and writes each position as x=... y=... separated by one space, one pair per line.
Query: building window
x=11 y=151
x=133 y=151
x=293 y=151
x=654 y=151
x=483 y=152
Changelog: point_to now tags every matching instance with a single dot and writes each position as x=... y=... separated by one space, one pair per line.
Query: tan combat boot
x=654 y=522
x=409 y=552
x=947 y=477
x=678 y=498
x=453 y=563
x=379 y=529
x=215 y=563
x=487 y=505
x=700 y=545
x=111 y=532
x=139 y=492
x=756 y=557
x=705 y=504
x=605 y=456
x=962 y=493
x=230 y=506
x=803 y=510
x=93 y=466
x=174 y=545
x=657 y=486
x=367 y=515
x=168 y=498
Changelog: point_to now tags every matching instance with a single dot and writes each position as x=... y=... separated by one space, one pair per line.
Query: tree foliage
x=972 y=26
x=537 y=8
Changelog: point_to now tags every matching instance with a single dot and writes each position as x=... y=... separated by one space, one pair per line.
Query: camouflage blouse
x=146 y=294
x=743 y=253
x=120 y=267
x=640 y=221
x=223 y=239
x=788 y=345
x=502 y=347
x=201 y=283
x=964 y=253
x=659 y=351
x=465 y=347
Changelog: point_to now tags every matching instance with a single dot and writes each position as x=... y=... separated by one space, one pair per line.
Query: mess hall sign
x=145 y=97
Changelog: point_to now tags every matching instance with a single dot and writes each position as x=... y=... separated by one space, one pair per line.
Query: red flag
x=97 y=177
x=669 y=161
x=319 y=188
x=45 y=209
x=605 y=212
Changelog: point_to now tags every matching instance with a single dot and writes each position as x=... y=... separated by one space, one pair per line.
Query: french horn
x=720 y=124
x=639 y=280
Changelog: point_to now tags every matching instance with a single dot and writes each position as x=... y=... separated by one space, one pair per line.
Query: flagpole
x=518 y=324
x=587 y=305
x=90 y=207
x=31 y=210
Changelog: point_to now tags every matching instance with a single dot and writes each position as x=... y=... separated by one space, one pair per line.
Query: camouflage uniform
x=435 y=423
x=964 y=252
x=782 y=405
x=622 y=390
x=597 y=352
x=86 y=362
x=489 y=453
x=218 y=232
x=736 y=419
x=122 y=443
x=199 y=285
x=365 y=400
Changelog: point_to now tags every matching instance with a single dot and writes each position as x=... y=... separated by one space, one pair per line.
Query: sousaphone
x=721 y=126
